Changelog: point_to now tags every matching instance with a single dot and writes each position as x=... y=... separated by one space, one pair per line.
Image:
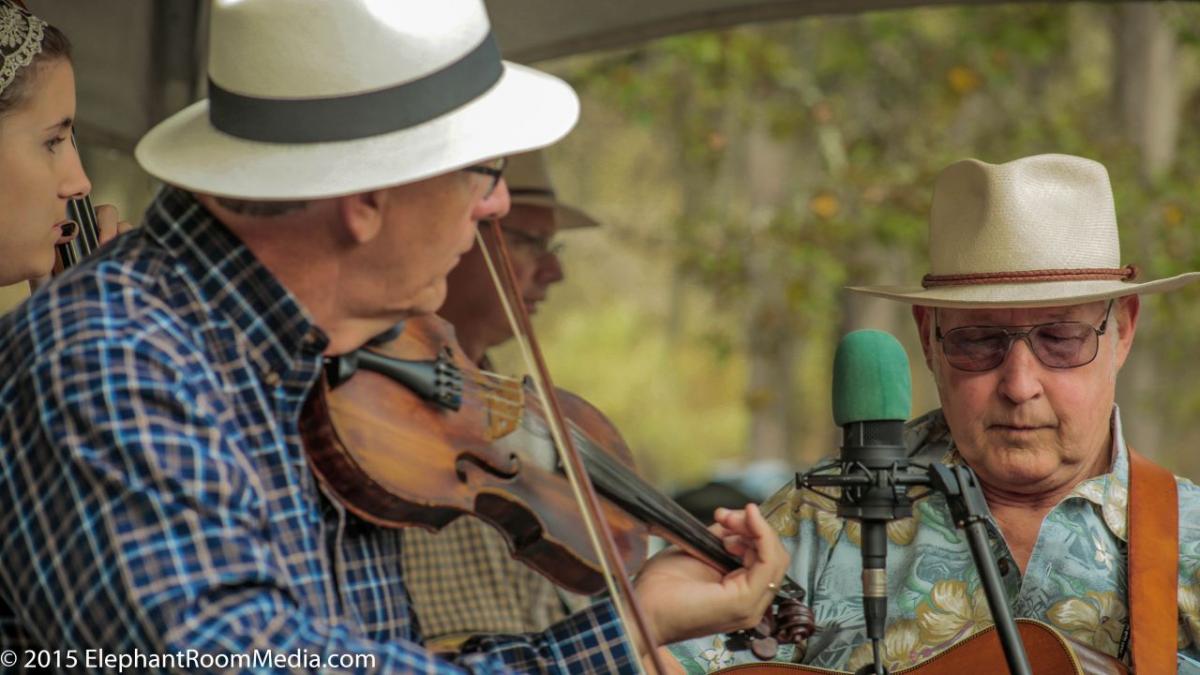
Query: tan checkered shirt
x=463 y=582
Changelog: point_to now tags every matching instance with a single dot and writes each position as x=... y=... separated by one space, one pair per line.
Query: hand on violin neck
x=685 y=597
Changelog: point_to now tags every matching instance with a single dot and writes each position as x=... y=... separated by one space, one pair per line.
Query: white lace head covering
x=20 y=41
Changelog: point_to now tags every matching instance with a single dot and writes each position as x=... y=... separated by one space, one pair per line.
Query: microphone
x=872 y=399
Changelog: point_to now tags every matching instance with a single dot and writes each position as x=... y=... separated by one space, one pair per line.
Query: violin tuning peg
x=795 y=623
x=338 y=369
x=765 y=648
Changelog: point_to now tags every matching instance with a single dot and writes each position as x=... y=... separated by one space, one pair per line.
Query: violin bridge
x=505 y=411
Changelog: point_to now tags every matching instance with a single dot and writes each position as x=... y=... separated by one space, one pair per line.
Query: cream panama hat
x=1035 y=232
x=529 y=183
x=315 y=98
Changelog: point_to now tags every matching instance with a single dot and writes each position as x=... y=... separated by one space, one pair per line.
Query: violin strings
x=642 y=500
x=496 y=382
x=514 y=399
x=615 y=476
x=615 y=479
x=484 y=376
x=619 y=589
x=623 y=485
x=511 y=394
x=626 y=486
x=515 y=396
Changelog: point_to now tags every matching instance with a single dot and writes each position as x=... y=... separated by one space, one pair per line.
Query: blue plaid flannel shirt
x=154 y=492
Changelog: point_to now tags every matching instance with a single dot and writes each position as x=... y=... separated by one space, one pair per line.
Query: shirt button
x=271 y=378
x=1004 y=566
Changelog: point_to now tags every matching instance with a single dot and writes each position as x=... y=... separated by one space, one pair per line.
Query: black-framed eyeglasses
x=494 y=169
x=540 y=246
x=1061 y=344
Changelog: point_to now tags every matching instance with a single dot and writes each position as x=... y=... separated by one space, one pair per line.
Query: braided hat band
x=20 y=41
x=1126 y=273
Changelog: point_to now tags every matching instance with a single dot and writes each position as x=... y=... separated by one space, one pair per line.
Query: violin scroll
x=787 y=621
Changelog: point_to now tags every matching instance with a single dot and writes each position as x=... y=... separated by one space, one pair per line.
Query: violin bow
x=491 y=237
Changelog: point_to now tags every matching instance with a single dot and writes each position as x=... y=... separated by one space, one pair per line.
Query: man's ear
x=362 y=215
x=924 y=318
x=1126 y=316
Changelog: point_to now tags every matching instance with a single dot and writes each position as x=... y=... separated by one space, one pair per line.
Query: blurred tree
x=746 y=175
x=1146 y=95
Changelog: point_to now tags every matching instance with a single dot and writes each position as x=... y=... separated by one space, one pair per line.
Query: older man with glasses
x=463 y=580
x=1025 y=321
x=530 y=230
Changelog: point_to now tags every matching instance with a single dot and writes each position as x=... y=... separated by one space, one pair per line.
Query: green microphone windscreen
x=870 y=379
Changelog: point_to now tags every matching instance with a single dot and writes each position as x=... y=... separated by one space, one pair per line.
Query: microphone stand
x=875 y=491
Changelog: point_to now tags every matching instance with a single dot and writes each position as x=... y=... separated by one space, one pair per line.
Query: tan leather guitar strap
x=1153 y=531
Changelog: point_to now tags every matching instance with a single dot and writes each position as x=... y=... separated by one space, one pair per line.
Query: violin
x=407 y=431
x=447 y=442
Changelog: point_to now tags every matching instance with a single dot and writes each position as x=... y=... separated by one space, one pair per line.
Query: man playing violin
x=463 y=579
x=154 y=490
x=1025 y=321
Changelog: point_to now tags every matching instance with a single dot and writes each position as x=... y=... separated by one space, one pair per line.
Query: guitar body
x=1050 y=653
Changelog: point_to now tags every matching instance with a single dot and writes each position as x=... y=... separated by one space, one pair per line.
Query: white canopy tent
x=533 y=30
x=137 y=61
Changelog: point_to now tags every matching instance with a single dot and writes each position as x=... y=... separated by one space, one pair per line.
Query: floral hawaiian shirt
x=1075 y=579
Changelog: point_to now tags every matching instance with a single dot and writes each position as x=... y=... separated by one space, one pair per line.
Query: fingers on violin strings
x=732 y=519
x=737 y=545
x=720 y=530
x=757 y=523
x=767 y=559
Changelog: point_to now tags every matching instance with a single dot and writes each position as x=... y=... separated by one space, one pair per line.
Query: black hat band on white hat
x=346 y=118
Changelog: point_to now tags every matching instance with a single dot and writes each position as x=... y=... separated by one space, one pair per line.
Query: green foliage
x=654 y=391
x=853 y=117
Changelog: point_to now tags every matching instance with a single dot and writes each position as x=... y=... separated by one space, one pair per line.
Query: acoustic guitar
x=1050 y=653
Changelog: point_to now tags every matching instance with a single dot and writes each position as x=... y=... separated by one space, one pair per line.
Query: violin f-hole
x=506 y=471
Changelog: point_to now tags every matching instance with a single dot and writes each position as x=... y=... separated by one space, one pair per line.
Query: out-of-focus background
x=745 y=174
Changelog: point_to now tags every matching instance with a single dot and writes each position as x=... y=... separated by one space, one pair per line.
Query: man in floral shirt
x=1025 y=322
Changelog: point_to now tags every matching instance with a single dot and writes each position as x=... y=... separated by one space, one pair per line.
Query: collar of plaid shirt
x=233 y=286
x=154 y=492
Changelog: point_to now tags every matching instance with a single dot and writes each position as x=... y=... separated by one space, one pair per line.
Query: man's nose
x=550 y=269
x=1020 y=373
x=495 y=206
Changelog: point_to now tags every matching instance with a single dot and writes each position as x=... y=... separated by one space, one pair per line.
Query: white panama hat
x=1035 y=232
x=314 y=98
x=528 y=180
